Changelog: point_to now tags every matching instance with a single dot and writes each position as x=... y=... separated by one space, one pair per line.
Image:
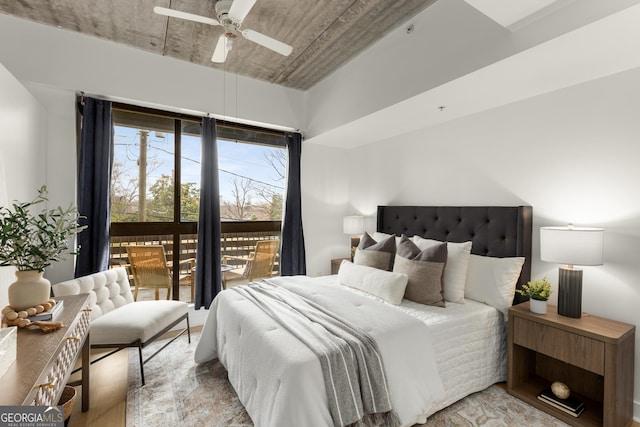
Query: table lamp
x=572 y=246
x=354 y=226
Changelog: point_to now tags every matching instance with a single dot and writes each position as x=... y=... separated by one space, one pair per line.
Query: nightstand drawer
x=572 y=348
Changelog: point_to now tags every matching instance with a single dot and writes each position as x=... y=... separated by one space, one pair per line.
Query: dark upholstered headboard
x=495 y=231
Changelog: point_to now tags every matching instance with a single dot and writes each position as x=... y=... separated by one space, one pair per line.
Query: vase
x=537 y=306
x=29 y=290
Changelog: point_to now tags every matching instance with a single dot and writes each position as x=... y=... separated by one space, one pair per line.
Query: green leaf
x=33 y=240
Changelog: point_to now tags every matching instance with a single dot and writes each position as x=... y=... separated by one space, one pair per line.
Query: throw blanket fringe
x=351 y=363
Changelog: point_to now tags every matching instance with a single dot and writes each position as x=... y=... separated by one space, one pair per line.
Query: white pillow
x=455 y=271
x=493 y=280
x=383 y=284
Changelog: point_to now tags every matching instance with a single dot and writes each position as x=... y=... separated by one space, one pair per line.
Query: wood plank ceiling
x=324 y=34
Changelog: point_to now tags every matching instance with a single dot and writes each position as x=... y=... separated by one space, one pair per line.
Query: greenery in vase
x=539 y=290
x=34 y=240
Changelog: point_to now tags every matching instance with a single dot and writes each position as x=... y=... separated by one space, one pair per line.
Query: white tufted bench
x=119 y=322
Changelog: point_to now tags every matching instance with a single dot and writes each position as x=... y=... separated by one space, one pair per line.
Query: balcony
x=237 y=240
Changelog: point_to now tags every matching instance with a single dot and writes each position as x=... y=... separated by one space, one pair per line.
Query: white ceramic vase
x=538 y=306
x=29 y=290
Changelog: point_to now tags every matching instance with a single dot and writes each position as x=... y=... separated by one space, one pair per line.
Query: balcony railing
x=234 y=243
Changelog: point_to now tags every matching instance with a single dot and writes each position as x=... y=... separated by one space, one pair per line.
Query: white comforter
x=279 y=380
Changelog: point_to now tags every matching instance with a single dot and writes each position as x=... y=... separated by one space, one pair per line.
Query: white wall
x=325 y=199
x=572 y=155
x=68 y=60
x=450 y=40
x=22 y=150
x=61 y=159
x=54 y=64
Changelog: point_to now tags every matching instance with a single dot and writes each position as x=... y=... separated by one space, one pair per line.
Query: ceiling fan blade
x=240 y=9
x=184 y=15
x=268 y=42
x=221 y=51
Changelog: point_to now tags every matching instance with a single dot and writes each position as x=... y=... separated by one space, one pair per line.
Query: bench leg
x=141 y=362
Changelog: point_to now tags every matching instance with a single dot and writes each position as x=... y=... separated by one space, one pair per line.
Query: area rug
x=180 y=393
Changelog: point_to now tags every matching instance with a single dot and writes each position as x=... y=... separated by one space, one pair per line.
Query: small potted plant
x=538 y=292
x=31 y=241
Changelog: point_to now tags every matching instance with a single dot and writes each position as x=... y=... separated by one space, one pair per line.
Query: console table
x=44 y=361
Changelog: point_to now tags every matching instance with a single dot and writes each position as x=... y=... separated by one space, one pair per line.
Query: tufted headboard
x=497 y=231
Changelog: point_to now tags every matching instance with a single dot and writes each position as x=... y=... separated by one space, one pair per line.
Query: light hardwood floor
x=108 y=393
x=108 y=390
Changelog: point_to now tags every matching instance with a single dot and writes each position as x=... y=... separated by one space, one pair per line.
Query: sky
x=241 y=159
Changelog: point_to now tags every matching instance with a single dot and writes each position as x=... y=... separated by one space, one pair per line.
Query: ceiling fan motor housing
x=222 y=10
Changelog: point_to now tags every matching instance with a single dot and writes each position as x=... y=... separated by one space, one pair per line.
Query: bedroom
x=570 y=151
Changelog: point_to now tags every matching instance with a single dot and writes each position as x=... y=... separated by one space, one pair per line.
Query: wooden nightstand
x=592 y=355
x=335 y=264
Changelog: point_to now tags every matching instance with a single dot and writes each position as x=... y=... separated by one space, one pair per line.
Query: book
x=570 y=403
x=561 y=408
x=564 y=406
x=48 y=315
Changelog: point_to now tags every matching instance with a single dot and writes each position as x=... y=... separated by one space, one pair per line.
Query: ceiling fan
x=230 y=14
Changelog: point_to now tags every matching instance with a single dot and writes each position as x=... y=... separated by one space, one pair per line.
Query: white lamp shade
x=353 y=225
x=571 y=245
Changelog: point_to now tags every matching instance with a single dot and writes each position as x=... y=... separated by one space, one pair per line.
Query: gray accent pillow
x=425 y=270
x=375 y=254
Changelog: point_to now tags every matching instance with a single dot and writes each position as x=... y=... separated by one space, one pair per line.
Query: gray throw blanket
x=351 y=364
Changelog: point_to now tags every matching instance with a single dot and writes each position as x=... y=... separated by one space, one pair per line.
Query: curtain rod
x=177 y=110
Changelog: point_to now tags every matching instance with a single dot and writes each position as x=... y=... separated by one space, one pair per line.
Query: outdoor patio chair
x=149 y=269
x=258 y=264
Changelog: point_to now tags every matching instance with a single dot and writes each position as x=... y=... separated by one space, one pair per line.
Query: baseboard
x=636 y=411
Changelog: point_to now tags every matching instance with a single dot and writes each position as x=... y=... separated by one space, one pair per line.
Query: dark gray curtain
x=95 y=157
x=292 y=255
x=208 y=275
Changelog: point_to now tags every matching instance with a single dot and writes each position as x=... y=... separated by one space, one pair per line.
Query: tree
x=189 y=201
x=238 y=208
x=277 y=158
x=271 y=195
x=125 y=179
x=160 y=207
x=275 y=208
x=123 y=195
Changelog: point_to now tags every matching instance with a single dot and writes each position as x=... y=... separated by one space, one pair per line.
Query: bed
x=433 y=356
